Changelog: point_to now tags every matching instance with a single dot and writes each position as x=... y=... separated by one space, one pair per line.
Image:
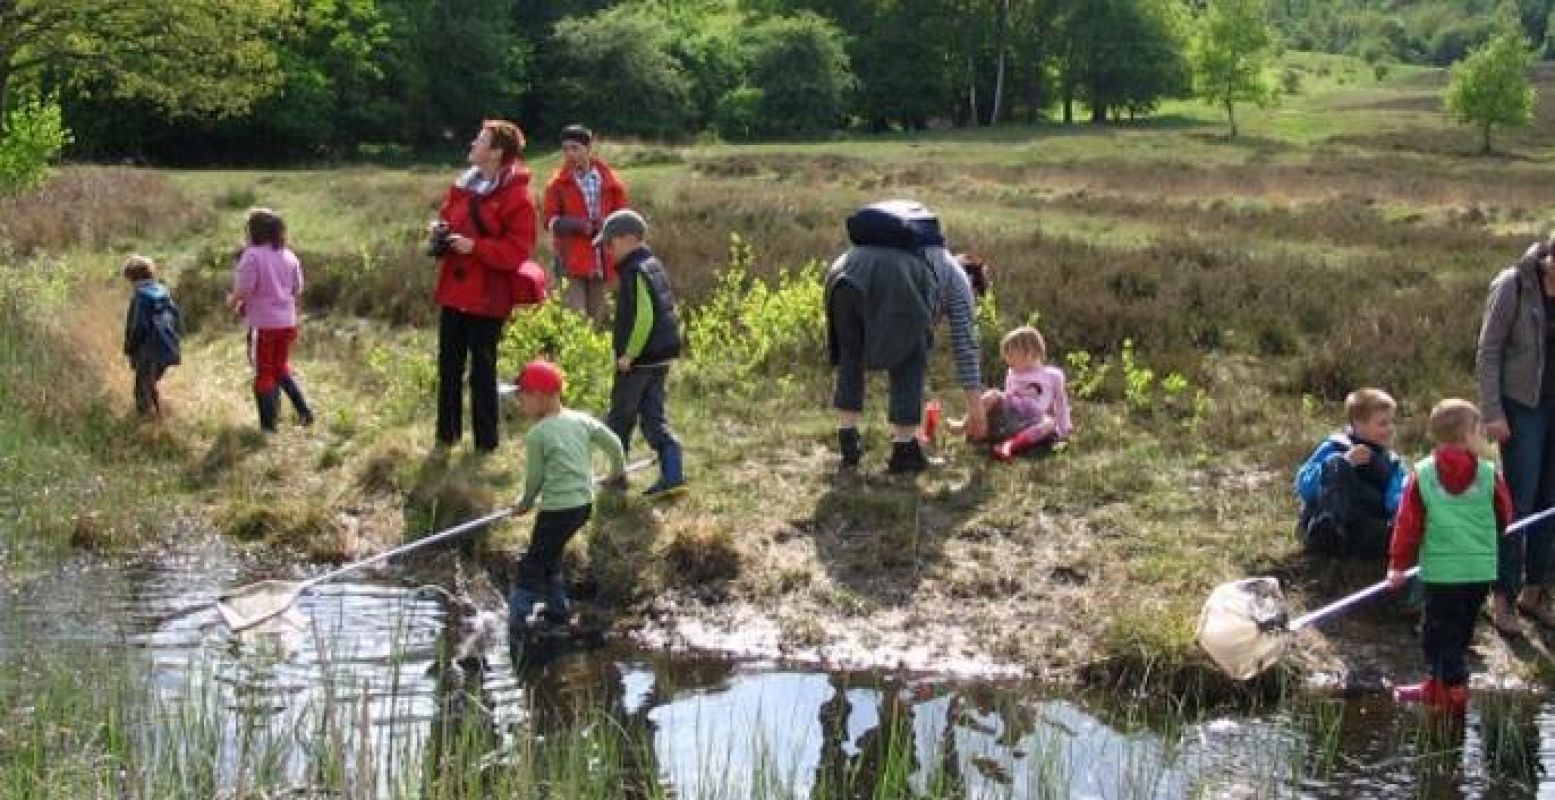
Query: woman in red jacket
x=578 y=197
x=484 y=233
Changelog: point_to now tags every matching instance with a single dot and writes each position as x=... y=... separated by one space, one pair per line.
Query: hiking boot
x=1429 y=692
x=851 y=445
x=907 y=457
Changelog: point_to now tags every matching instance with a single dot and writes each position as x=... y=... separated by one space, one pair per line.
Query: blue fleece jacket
x=1335 y=447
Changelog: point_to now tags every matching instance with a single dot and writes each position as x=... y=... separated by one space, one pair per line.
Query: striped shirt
x=955 y=302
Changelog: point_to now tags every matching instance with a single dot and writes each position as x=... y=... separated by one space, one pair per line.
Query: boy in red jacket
x=1454 y=510
x=578 y=197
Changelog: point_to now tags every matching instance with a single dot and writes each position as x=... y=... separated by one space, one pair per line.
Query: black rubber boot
x=299 y=401
x=269 y=407
x=852 y=447
x=907 y=457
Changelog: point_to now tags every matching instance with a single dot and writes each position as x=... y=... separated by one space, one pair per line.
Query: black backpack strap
x=475 y=215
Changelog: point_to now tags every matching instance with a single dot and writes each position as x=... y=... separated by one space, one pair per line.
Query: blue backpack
x=161 y=331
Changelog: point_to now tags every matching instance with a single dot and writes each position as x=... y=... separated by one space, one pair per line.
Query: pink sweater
x=1039 y=392
x=268 y=282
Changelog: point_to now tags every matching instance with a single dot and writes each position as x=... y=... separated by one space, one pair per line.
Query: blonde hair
x=1026 y=340
x=1452 y=420
x=139 y=268
x=1363 y=404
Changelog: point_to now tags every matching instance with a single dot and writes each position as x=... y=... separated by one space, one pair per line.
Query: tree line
x=223 y=81
x=254 y=80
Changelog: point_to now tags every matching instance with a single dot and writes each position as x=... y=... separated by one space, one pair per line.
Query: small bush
x=752 y=327
x=558 y=333
x=33 y=135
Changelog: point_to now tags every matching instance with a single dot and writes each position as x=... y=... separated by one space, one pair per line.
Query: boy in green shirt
x=558 y=474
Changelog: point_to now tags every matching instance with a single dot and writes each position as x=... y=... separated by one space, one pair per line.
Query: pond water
x=369 y=652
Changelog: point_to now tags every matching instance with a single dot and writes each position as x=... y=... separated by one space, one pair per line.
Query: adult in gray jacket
x=881 y=306
x=1517 y=400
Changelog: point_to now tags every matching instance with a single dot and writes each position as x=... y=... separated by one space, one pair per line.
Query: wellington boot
x=852 y=446
x=907 y=457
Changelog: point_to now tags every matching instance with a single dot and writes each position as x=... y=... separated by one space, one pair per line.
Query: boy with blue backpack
x=153 y=334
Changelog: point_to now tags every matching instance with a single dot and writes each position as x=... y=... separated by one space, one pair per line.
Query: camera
x=439 y=239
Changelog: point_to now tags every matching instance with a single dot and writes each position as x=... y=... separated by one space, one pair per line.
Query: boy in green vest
x=1453 y=512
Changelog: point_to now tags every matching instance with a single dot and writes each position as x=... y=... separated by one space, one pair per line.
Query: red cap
x=540 y=376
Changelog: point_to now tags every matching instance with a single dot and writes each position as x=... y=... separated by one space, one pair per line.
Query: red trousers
x=269 y=350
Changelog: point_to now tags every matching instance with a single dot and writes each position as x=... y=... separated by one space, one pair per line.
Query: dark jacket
x=484 y=283
x=647 y=329
x=899 y=288
x=153 y=329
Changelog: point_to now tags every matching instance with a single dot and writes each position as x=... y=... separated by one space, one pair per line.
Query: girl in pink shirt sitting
x=265 y=288
x=1033 y=408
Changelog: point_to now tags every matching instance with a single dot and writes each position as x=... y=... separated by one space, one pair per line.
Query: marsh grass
x=1212 y=299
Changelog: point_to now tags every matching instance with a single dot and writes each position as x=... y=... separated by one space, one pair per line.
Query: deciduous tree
x=1490 y=87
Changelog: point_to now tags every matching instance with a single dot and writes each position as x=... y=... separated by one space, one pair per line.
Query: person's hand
x=623 y=364
x=571 y=226
x=521 y=508
x=1396 y=579
x=976 y=417
x=1498 y=431
x=463 y=245
x=1358 y=456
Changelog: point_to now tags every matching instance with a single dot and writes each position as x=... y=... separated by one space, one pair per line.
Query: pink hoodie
x=268 y=282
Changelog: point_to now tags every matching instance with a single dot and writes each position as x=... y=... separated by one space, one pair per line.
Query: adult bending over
x=484 y=233
x=882 y=303
x=1517 y=399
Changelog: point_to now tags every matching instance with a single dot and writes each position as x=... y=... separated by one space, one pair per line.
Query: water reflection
x=375 y=692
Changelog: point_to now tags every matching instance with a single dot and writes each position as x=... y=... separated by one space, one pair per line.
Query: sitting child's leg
x=1029 y=437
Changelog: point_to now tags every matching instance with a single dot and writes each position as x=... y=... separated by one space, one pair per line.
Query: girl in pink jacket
x=265 y=288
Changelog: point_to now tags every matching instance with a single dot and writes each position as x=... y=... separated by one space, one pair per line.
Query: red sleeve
x=1506 y=512
x=1408 y=529
x=617 y=199
x=517 y=242
x=552 y=204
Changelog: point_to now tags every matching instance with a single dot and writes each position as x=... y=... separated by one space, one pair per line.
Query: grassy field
x=1212 y=298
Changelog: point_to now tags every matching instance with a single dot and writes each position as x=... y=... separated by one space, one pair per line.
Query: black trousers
x=1350 y=518
x=465 y=339
x=639 y=394
x=541 y=564
x=1450 y=612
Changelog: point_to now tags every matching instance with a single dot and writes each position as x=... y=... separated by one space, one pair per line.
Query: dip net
x=1244 y=627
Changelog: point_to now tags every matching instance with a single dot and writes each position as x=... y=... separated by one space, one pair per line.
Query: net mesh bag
x=1243 y=627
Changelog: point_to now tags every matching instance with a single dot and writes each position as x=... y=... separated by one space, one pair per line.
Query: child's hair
x=1024 y=339
x=266 y=227
x=139 y=268
x=1363 y=404
x=1452 y=420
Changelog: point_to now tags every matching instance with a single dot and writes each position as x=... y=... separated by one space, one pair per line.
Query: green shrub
x=751 y=327
x=556 y=332
x=33 y=135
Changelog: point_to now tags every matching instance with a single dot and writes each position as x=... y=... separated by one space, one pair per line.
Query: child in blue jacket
x=1351 y=484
